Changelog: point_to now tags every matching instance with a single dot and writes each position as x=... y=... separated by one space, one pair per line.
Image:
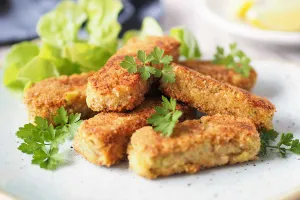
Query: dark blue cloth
x=18 y=18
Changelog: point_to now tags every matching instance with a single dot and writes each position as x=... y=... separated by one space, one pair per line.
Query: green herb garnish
x=146 y=69
x=236 y=60
x=43 y=140
x=166 y=117
x=286 y=144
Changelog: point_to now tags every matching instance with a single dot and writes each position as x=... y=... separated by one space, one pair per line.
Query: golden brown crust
x=103 y=139
x=113 y=88
x=222 y=73
x=213 y=97
x=45 y=97
x=168 y=44
x=194 y=145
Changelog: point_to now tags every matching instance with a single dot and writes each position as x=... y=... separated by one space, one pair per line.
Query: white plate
x=216 y=12
x=270 y=178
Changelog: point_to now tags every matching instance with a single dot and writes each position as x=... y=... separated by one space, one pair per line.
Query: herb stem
x=274 y=147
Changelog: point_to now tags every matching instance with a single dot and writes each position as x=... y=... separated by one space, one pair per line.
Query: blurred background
x=18 y=20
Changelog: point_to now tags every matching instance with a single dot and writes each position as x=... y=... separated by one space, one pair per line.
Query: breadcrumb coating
x=113 y=88
x=45 y=97
x=213 y=97
x=194 y=145
x=103 y=139
x=222 y=73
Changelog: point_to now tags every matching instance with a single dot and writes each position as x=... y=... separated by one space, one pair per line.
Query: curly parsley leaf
x=236 y=60
x=129 y=64
x=142 y=56
x=166 y=117
x=146 y=69
x=168 y=75
x=62 y=117
x=43 y=140
x=266 y=137
x=146 y=72
x=157 y=54
x=284 y=145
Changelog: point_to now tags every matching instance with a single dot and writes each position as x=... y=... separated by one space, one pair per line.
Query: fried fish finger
x=213 y=97
x=194 y=145
x=103 y=139
x=45 y=97
x=113 y=88
x=222 y=73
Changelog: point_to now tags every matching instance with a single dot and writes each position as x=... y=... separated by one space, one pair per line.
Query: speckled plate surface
x=268 y=178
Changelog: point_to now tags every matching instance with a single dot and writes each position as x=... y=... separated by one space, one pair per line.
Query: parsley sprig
x=43 y=140
x=166 y=117
x=286 y=144
x=146 y=69
x=236 y=60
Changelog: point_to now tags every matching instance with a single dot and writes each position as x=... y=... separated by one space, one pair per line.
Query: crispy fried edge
x=41 y=101
x=113 y=143
x=222 y=73
x=147 y=146
x=125 y=91
x=189 y=82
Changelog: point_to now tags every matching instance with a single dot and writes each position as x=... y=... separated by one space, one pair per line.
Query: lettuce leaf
x=10 y=78
x=130 y=34
x=189 y=48
x=37 y=69
x=88 y=56
x=103 y=26
x=149 y=27
x=61 y=51
x=19 y=55
x=61 y=26
x=54 y=54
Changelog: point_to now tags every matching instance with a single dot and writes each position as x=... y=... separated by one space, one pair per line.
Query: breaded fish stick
x=194 y=145
x=113 y=88
x=103 y=139
x=213 y=97
x=45 y=97
x=222 y=73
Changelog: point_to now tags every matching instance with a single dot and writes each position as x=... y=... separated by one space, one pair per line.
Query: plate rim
x=246 y=31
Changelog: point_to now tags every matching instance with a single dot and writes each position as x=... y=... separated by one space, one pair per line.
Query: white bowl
x=216 y=13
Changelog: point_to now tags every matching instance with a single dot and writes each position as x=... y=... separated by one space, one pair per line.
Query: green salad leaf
x=19 y=55
x=189 y=47
x=61 y=25
x=149 y=27
x=50 y=51
x=63 y=64
x=103 y=26
x=88 y=56
x=130 y=34
x=74 y=12
x=37 y=69
x=10 y=78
